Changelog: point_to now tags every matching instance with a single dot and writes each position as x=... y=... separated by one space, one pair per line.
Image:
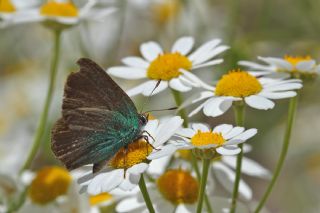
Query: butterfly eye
x=144 y=119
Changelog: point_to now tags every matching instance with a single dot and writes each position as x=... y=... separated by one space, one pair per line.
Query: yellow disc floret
x=207 y=138
x=238 y=84
x=49 y=183
x=6 y=6
x=167 y=66
x=178 y=186
x=294 y=60
x=137 y=152
x=64 y=9
x=100 y=198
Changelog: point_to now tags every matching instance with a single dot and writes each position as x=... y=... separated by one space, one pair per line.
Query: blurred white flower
x=289 y=64
x=124 y=169
x=242 y=86
x=173 y=67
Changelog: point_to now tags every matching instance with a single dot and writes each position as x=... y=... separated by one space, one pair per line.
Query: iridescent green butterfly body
x=98 y=119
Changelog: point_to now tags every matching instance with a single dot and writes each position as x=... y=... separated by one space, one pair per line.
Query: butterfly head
x=143 y=119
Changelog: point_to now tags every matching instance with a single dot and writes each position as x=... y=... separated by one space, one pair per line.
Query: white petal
x=105 y=182
x=127 y=72
x=217 y=106
x=305 y=65
x=246 y=134
x=151 y=126
x=183 y=45
x=249 y=167
x=278 y=62
x=259 y=73
x=234 y=132
x=284 y=87
x=195 y=79
x=204 y=48
x=209 y=63
x=278 y=95
x=151 y=85
x=129 y=205
x=233 y=142
x=227 y=177
x=150 y=50
x=166 y=150
x=255 y=66
x=200 y=126
x=196 y=98
x=228 y=150
x=135 y=62
x=138 y=168
x=196 y=110
x=210 y=54
x=185 y=132
x=167 y=130
x=176 y=84
x=259 y=102
x=158 y=166
x=223 y=128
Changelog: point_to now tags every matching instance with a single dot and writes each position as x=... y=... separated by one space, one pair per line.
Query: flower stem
x=203 y=183
x=239 y=116
x=45 y=112
x=145 y=194
x=178 y=99
x=285 y=146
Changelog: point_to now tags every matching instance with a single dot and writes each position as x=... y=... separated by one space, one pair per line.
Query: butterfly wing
x=98 y=118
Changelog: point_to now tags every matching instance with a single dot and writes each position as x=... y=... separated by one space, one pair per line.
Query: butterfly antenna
x=158 y=110
x=148 y=99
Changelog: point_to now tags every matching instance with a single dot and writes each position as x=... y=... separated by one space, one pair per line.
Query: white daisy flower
x=176 y=190
x=242 y=86
x=124 y=169
x=173 y=68
x=294 y=66
x=60 y=14
x=223 y=139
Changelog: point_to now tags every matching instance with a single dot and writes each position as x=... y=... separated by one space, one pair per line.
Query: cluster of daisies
x=169 y=166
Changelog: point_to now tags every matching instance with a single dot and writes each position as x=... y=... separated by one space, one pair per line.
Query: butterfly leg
x=146 y=138
x=125 y=152
x=144 y=131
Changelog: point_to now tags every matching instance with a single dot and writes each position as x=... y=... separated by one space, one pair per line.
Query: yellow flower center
x=238 y=84
x=293 y=60
x=166 y=11
x=53 y=8
x=185 y=154
x=6 y=6
x=207 y=138
x=167 y=66
x=100 y=198
x=49 y=183
x=178 y=186
x=137 y=152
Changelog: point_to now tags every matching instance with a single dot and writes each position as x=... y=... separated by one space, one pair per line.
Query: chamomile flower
x=173 y=67
x=239 y=86
x=124 y=169
x=295 y=66
x=61 y=14
x=221 y=140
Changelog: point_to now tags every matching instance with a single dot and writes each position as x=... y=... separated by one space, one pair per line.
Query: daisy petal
x=284 y=87
x=204 y=48
x=150 y=50
x=212 y=53
x=305 y=65
x=200 y=126
x=217 y=106
x=127 y=72
x=183 y=45
x=167 y=150
x=278 y=62
x=228 y=150
x=176 y=84
x=278 y=95
x=135 y=62
x=151 y=85
x=185 y=132
x=259 y=102
x=234 y=132
x=210 y=63
x=138 y=168
x=196 y=80
x=129 y=205
x=246 y=134
x=196 y=110
x=223 y=128
x=255 y=66
x=105 y=182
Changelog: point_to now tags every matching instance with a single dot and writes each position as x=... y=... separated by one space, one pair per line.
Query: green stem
x=239 y=116
x=45 y=112
x=203 y=183
x=178 y=99
x=284 y=151
x=145 y=194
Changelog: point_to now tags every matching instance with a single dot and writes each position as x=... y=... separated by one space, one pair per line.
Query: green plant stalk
x=239 y=117
x=286 y=141
x=178 y=99
x=45 y=112
x=145 y=194
x=203 y=183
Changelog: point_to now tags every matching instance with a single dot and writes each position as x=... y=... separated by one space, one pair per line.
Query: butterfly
x=98 y=119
